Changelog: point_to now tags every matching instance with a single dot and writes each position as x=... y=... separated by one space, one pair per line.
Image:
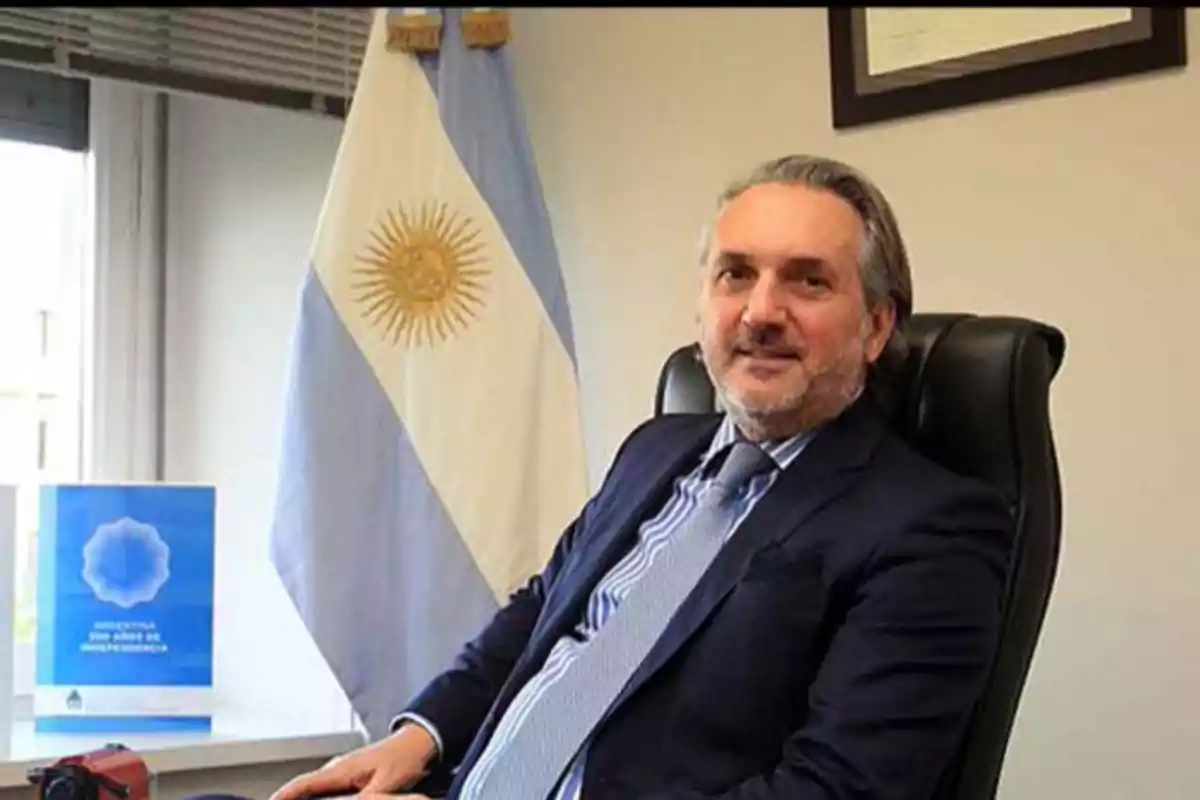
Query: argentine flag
x=432 y=451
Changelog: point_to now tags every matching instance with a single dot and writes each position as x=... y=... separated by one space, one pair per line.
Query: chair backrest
x=974 y=396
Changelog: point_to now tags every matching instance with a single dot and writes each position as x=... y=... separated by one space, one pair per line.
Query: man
x=818 y=625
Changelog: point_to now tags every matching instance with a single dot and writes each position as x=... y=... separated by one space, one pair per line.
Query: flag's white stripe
x=493 y=411
x=481 y=112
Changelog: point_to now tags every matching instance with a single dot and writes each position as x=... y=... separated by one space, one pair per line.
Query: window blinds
x=297 y=58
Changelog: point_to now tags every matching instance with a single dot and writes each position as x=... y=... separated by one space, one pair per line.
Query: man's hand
x=386 y=767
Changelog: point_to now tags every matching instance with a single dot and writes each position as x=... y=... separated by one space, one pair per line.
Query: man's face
x=785 y=332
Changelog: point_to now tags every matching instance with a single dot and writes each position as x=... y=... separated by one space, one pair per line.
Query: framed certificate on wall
x=887 y=63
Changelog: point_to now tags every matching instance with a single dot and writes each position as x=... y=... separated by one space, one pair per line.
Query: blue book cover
x=125 y=608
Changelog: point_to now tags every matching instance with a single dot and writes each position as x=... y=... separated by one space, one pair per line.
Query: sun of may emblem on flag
x=422 y=276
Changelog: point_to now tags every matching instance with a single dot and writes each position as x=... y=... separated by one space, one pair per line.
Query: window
x=43 y=207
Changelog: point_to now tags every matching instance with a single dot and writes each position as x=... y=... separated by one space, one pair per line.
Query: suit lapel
x=645 y=491
x=607 y=537
x=828 y=467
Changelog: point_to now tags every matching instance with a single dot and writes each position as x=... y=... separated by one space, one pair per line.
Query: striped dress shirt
x=606 y=597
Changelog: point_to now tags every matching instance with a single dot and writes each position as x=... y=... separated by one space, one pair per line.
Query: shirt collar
x=782 y=451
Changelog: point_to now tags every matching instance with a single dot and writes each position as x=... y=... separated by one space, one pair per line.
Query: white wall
x=245 y=185
x=1081 y=208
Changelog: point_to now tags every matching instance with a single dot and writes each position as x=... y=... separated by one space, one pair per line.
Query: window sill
x=237 y=739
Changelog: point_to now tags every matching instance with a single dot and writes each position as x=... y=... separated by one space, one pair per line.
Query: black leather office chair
x=973 y=395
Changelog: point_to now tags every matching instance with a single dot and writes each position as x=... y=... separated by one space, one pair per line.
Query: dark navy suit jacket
x=835 y=648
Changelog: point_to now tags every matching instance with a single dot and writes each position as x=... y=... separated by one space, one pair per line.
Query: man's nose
x=764 y=305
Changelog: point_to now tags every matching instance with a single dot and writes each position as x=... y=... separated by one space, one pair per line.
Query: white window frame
x=122 y=370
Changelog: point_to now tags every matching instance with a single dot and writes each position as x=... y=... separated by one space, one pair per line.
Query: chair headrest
x=973 y=394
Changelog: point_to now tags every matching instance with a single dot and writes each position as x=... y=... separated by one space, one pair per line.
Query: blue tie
x=559 y=722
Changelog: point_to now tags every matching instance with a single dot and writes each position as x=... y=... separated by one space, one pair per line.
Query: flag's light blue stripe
x=368 y=553
x=480 y=111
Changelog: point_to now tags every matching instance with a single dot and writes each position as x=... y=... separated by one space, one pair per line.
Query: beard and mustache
x=820 y=387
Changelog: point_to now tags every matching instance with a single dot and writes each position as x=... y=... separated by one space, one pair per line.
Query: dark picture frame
x=1153 y=39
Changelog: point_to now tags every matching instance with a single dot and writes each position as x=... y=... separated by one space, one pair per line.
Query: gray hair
x=883 y=263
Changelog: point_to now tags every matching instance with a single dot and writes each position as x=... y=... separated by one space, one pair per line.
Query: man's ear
x=880 y=324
